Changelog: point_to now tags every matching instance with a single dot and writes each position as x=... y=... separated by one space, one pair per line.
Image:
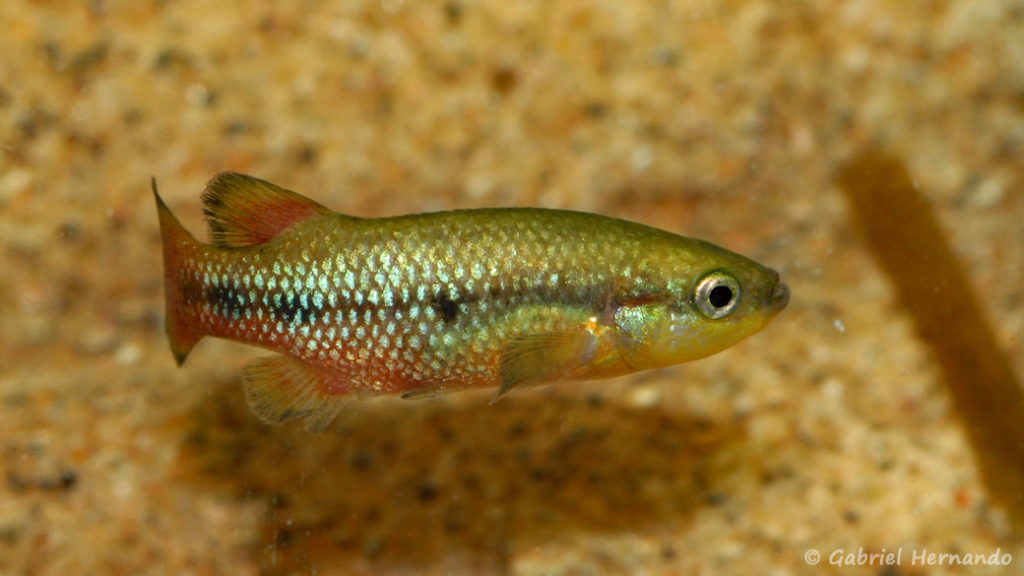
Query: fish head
x=719 y=302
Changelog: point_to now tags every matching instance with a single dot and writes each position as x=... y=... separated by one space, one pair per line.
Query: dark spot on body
x=446 y=307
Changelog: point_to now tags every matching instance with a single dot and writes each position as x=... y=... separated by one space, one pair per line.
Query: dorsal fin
x=244 y=211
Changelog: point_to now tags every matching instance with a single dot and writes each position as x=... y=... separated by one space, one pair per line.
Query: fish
x=423 y=304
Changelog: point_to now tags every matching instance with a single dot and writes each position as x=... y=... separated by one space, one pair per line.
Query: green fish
x=426 y=303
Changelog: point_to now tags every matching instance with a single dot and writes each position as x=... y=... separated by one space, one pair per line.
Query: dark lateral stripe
x=231 y=302
x=227 y=301
x=289 y=307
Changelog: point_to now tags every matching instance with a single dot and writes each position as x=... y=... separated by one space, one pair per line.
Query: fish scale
x=441 y=301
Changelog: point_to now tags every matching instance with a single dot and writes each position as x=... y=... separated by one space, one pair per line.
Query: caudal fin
x=182 y=329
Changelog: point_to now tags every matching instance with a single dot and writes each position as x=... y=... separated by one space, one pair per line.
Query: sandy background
x=726 y=120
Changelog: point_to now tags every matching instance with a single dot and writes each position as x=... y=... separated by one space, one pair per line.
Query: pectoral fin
x=281 y=389
x=425 y=392
x=543 y=357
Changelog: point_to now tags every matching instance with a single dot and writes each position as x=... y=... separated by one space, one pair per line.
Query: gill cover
x=719 y=309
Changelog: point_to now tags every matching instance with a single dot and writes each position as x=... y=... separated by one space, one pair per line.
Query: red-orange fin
x=245 y=211
x=178 y=245
x=281 y=389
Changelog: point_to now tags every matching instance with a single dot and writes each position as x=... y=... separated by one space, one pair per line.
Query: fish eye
x=717 y=295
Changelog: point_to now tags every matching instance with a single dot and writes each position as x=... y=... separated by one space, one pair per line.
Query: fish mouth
x=778 y=299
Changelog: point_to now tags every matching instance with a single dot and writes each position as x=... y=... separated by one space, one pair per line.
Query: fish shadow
x=420 y=482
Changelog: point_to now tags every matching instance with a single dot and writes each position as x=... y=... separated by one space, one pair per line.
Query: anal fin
x=280 y=389
x=543 y=357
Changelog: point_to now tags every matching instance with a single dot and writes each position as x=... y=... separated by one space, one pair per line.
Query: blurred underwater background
x=878 y=413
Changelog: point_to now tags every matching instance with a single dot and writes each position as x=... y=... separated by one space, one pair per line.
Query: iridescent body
x=443 y=301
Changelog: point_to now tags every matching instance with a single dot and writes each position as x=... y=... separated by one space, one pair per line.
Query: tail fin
x=182 y=330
